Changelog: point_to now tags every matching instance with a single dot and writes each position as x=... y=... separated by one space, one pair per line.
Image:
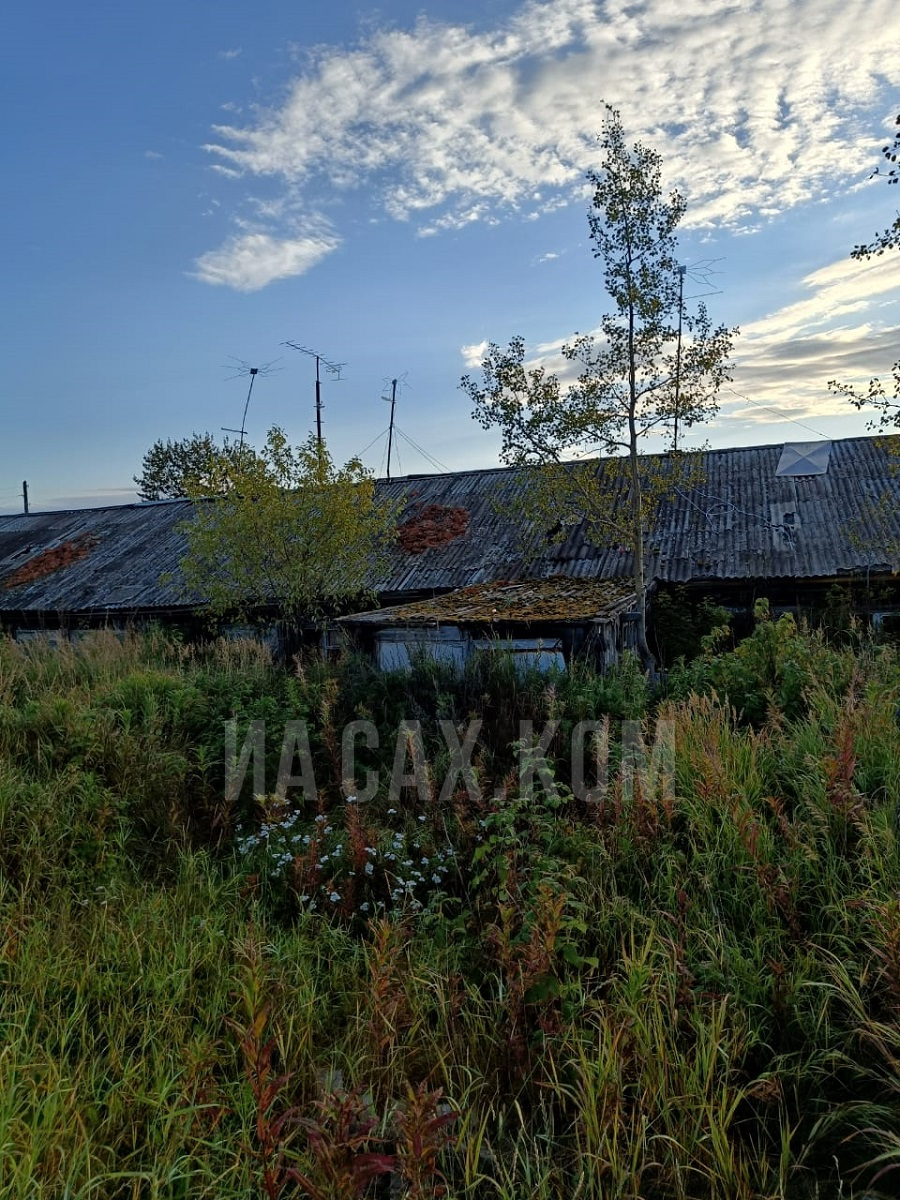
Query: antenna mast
x=681 y=274
x=700 y=272
x=241 y=370
x=391 y=426
x=333 y=368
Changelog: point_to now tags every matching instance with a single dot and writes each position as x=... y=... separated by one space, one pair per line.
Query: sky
x=188 y=186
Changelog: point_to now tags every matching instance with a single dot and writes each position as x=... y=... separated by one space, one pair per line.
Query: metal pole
x=333 y=368
x=25 y=495
x=254 y=371
x=391 y=426
x=318 y=409
x=681 y=273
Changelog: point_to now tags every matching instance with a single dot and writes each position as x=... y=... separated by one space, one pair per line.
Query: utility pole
x=391 y=426
x=681 y=274
x=333 y=368
x=25 y=495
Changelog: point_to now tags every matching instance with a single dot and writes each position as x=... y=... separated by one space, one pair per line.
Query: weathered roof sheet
x=557 y=599
x=93 y=560
x=744 y=521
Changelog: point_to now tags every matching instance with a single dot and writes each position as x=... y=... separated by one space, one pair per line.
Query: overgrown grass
x=690 y=989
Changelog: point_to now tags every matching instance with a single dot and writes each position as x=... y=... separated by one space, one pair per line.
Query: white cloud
x=252 y=260
x=473 y=355
x=230 y=54
x=548 y=257
x=758 y=106
x=153 y=154
x=837 y=290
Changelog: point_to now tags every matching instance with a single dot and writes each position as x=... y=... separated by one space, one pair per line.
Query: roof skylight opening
x=803 y=458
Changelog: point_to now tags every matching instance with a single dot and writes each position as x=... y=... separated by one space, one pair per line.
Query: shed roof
x=558 y=599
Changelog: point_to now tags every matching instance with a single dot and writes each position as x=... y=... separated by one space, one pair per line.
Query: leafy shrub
x=680 y=622
x=772 y=670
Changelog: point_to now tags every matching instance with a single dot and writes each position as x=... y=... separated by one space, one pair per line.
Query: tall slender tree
x=643 y=374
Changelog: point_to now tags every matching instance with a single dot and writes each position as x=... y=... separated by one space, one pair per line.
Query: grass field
x=684 y=984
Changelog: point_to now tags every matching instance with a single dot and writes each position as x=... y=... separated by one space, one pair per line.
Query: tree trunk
x=648 y=662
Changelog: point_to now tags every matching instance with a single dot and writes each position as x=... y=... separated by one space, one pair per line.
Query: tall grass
x=680 y=992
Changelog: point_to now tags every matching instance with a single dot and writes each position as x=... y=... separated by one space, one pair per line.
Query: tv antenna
x=700 y=272
x=682 y=271
x=392 y=400
x=333 y=368
x=241 y=371
x=395 y=386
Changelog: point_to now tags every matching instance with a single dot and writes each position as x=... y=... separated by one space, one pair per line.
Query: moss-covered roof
x=557 y=598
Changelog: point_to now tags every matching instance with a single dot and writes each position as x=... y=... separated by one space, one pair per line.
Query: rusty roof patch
x=53 y=558
x=557 y=599
x=431 y=527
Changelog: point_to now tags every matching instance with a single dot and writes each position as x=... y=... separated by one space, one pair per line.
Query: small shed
x=542 y=622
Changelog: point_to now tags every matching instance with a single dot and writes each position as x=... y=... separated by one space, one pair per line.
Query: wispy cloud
x=154 y=154
x=250 y=261
x=228 y=55
x=758 y=107
x=843 y=328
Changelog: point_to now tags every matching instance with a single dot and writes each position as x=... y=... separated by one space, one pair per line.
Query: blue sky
x=189 y=183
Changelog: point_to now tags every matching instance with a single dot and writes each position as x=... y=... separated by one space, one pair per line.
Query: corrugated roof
x=557 y=599
x=734 y=525
x=126 y=551
x=742 y=522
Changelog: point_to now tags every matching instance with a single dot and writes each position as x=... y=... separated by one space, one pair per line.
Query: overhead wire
x=436 y=463
x=428 y=457
x=775 y=412
x=372 y=443
x=762 y=521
